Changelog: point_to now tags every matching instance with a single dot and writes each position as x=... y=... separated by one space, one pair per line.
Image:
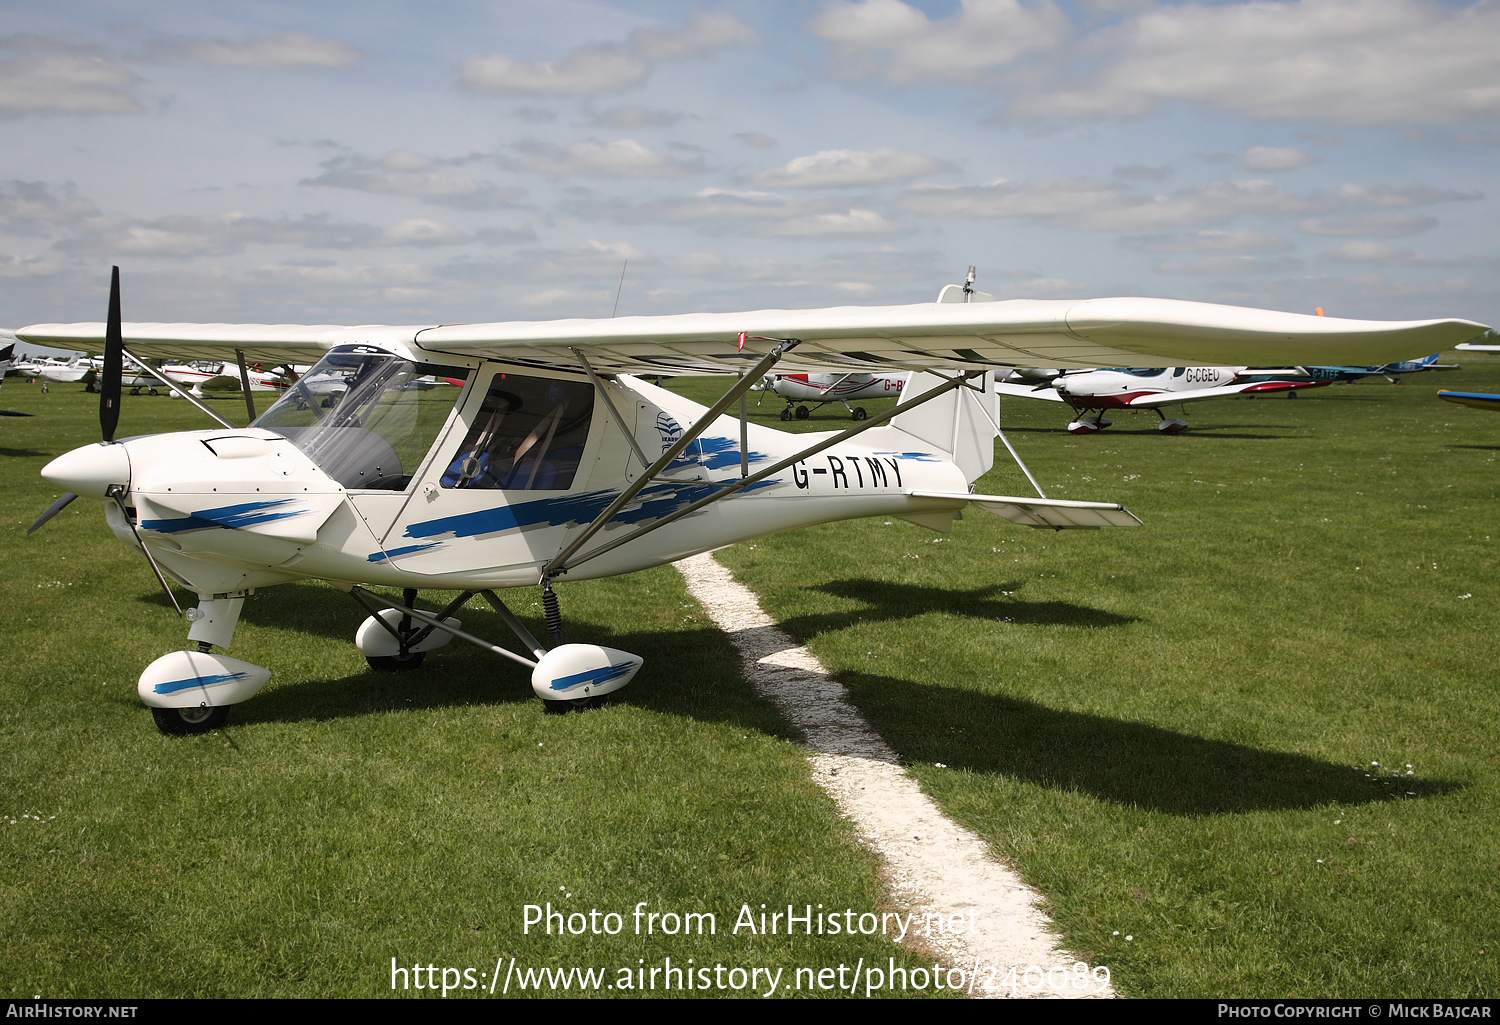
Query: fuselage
x=836 y=387
x=479 y=487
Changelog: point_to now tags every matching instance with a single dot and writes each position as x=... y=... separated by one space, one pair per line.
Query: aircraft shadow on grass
x=885 y=601
x=1132 y=764
x=696 y=673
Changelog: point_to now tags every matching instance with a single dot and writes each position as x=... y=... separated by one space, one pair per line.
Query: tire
x=575 y=705
x=860 y=414
x=802 y=412
x=396 y=663
x=786 y=414
x=187 y=722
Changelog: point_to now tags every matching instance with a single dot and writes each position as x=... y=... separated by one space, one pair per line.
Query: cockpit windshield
x=366 y=417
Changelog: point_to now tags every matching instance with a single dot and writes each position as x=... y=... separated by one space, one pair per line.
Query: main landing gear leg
x=393 y=640
x=568 y=676
x=191 y=692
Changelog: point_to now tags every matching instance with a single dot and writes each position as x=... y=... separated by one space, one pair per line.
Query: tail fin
x=960 y=424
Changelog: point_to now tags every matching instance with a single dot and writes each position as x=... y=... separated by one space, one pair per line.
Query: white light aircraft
x=825 y=388
x=207 y=377
x=1094 y=391
x=554 y=463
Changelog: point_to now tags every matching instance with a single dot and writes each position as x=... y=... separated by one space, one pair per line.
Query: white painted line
x=936 y=866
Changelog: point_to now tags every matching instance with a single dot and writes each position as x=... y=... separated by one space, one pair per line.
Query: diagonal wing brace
x=565 y=561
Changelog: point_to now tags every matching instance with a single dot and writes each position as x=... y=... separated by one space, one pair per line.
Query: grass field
x=1171 y=731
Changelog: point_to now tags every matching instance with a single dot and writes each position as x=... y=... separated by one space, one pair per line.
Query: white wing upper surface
x=1012 y=333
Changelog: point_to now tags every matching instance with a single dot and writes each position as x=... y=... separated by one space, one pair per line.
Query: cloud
x=1384 y=225
x=1389 y=197
x=756 y=139
x=711 y=206
x=621 y=158
x=190 y=236
x=899 y=43
x=404 y=173
x=34 y=209
x=1142 y=172
x=65 y=83
x=1228 y=265
x=285 y=50
x=1275 y=158
x=607 y=68
x=1369 y=252
x=593 y=70
x=1095 y=205
x=835 y=168
x=702 y=33
x=633 y=117
x=1359 y=62
x=420 y=231
x=1212 y=241
x=852 y=222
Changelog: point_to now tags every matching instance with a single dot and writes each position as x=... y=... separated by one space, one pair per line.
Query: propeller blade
x=52 y=510
x=114 y=359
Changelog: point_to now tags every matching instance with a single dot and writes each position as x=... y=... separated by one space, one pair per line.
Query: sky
x=442 y=162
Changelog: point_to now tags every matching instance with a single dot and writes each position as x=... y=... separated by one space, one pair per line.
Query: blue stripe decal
x=394 y=552
x=601 y=675
x=197 y=681
x=712 y=453
x=230 y=517
x=920 y=457
x=652 y=503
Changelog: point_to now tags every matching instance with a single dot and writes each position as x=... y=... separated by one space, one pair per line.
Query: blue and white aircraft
x=556 y=462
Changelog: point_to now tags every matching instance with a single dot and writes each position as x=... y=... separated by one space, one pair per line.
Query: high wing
x=1011 y=333
x=1477 y=400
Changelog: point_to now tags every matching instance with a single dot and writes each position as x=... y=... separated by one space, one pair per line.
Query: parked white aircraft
x=1094 y=391
x=554 y=463
x=825 y=388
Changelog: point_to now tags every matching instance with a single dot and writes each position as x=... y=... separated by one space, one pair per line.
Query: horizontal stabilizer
x=1045 y=512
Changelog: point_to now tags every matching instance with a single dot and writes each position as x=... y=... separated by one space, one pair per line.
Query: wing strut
x=178 y=388
x=560 y=564
x=610 y=405
x=1012 y=449
x=239 y=354
x=565 y=562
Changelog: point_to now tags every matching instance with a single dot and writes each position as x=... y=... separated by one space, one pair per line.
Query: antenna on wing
x=618 y=288
x=969 y=284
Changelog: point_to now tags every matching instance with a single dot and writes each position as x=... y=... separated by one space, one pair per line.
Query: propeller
x=114 y=360
x=109 y=388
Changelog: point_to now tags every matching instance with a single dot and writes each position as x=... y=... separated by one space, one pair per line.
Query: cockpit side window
x=528 y=435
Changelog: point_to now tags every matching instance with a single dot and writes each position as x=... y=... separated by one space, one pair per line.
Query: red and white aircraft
x=225 y=377
x=1094 y=391
x=825 y=388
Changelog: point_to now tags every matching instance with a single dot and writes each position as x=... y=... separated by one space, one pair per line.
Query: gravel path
x=935 y=866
